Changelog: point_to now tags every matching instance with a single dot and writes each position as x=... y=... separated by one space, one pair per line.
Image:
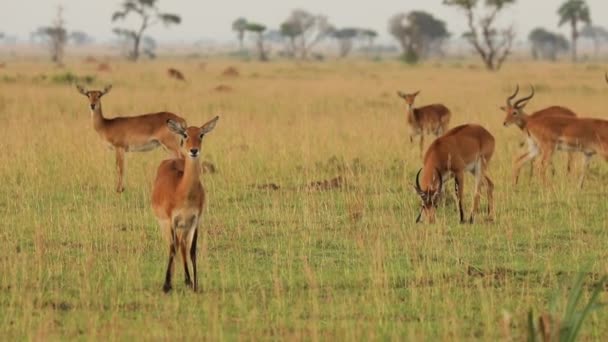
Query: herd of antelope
x=178 y=196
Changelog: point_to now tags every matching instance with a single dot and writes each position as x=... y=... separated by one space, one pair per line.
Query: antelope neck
x=98 y=119
x=192 y=171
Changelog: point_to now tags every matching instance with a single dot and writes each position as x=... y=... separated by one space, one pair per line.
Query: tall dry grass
x=293 y=263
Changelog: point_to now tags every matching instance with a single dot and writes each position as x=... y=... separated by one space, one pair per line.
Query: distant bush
x=69 y=78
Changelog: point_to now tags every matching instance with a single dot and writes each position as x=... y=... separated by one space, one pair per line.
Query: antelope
x=174 y=73
x=463 y=148
x=547 y=134
x=511 y=118
x=129 y=134
x=178 y=197
x=428 y=119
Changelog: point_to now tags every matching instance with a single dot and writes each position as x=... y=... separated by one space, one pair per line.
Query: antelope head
x=191 y=138
x=514 y=111
x=430 y=197
x=409 y=98
x=94 y=96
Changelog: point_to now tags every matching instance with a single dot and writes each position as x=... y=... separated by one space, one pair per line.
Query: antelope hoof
x=471 y=220
x=120 y=189
x=166 y=288
x=189 y=283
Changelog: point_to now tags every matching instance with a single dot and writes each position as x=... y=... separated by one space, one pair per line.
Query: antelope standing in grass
x=129 y=134
x=547 y=134
x=515 y=113
x=178 y=198
x=429 y=119
x=463 y=148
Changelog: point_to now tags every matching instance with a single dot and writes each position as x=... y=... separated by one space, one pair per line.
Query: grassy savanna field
x=80 y=261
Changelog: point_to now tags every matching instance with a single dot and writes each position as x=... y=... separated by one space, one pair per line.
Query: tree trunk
x=135 y=52
x=574 y=41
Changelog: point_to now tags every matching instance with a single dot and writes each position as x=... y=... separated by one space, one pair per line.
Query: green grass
x=79 y=261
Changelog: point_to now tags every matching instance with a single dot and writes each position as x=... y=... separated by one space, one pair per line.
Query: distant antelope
x=129 y=134
x=178 y=197
x=174 y=73
x=517 y=119
x=462 y=148
x=547 y=134
x=428 y=119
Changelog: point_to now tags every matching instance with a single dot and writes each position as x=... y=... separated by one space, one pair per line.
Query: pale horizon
x=213 y=22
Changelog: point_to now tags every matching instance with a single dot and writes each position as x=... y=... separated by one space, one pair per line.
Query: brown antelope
x=547 y=134
x=463 y=148
x=518 y=106
x=178 y=197
x=174 y=73
x=130 y=134
x=429 y=119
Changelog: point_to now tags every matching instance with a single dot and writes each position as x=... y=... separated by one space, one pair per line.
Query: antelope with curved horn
x=428 y=119
x=547 y=134
x=128 y=134
x=178 y=198
x=463 y=148
x=512 y=118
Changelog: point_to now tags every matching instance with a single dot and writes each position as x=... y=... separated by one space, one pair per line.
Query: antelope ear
x=503 y=108
x=209 y=126
x=106 y=89
x=400 y=94
x=416 y=93
x=81 y=90
x=176 y=127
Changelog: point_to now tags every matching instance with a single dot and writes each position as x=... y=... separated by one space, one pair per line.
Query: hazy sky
x=212 y=19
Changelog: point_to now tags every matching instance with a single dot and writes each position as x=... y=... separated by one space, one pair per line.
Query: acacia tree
x=546 y=44
x=305 y=30
x=149 y=14
x=55 y=36
x=345 y=38
x=240 y=26
x=259 y=29
x=418 y=33
x=492 y=44
x=574 y=12
x=597 y=34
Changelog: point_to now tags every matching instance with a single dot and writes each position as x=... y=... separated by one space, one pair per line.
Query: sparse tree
x=369 y=35
x=418 y=33
x=55 y=36
x=259 y=29
x=291 y=31
x=80 y=38
x=307 y=30
x=240 y=27
x=150 y=15
x=546 y=44
x=574 y=12
x=492 y=44
x=345 y=38
x=597 y=34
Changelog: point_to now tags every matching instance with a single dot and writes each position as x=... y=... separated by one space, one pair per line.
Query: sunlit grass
x=293 y=263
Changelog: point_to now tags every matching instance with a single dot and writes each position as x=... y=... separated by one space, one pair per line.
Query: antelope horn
x=510 y=98
x=606 y=76
x=417 y=182
x=522 y=102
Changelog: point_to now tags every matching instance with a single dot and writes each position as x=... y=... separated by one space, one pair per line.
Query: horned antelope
x=566 y=133
x=174 y=73
x=178 y=197
x=129 y=134
x=512 y=118
x=463 y=148
x=428 y=119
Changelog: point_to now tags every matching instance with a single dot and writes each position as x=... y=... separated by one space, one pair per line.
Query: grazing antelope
x=178 y=197
x=129 y=134
x=463 y=148
x=511 y=118
x=566 y=133
x=174 y=73
x=429 y=119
